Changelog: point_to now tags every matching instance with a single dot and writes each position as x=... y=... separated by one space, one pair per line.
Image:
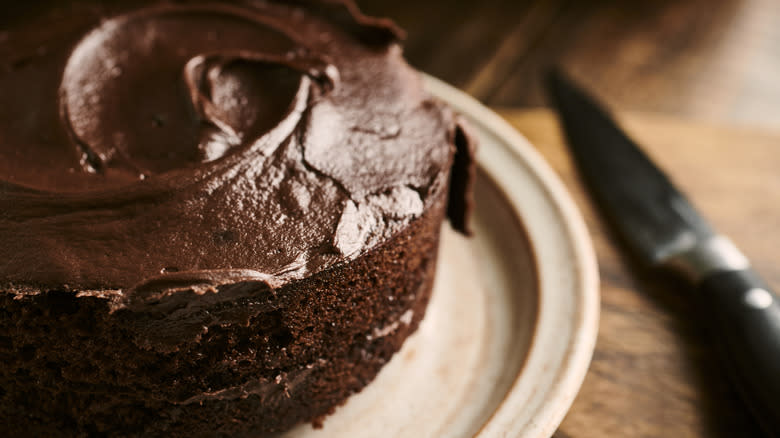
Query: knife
x=663 y=230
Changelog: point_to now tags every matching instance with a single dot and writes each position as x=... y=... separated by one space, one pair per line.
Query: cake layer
x=71 y=367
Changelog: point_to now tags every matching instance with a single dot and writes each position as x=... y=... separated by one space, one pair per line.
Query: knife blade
x=661 y=227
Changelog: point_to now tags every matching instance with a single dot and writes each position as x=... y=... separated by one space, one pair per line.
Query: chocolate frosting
x=149 y=148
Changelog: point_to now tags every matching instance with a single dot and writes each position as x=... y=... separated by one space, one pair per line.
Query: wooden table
x=705 y=59
x=697 y=78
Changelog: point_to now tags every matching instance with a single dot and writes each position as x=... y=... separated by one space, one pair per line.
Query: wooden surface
x=706 y=59
x=654 y=373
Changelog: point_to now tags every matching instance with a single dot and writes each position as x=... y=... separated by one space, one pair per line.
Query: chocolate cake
x=216 y=218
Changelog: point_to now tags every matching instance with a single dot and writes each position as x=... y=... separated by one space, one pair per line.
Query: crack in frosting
x=164 y=153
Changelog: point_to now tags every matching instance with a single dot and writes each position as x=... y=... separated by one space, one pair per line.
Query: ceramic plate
x=512 y=323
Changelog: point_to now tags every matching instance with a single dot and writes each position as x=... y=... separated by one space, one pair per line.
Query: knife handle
x=744 y=316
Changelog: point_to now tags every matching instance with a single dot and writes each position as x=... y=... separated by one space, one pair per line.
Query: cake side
x=72 y=367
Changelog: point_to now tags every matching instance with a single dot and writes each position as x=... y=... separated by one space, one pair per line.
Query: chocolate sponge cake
x=216 y=218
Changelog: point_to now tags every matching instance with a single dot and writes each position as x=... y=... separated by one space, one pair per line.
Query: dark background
x=709 y=59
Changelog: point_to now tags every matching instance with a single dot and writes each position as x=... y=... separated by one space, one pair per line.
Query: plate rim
x=582 y=339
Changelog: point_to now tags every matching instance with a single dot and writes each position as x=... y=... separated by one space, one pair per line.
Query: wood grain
x=654 y=373
x=705 y=59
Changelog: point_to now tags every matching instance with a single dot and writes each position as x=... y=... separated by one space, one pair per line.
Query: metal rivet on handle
x=758 y=298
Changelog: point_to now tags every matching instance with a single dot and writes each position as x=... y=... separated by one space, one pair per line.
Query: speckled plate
x=511 y=327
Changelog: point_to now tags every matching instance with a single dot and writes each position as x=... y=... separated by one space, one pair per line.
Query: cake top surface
x=150 y=146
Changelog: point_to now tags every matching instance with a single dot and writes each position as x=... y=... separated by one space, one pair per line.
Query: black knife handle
x=744 y=318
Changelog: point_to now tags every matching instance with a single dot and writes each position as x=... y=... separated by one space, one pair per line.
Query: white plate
x=512 y=324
